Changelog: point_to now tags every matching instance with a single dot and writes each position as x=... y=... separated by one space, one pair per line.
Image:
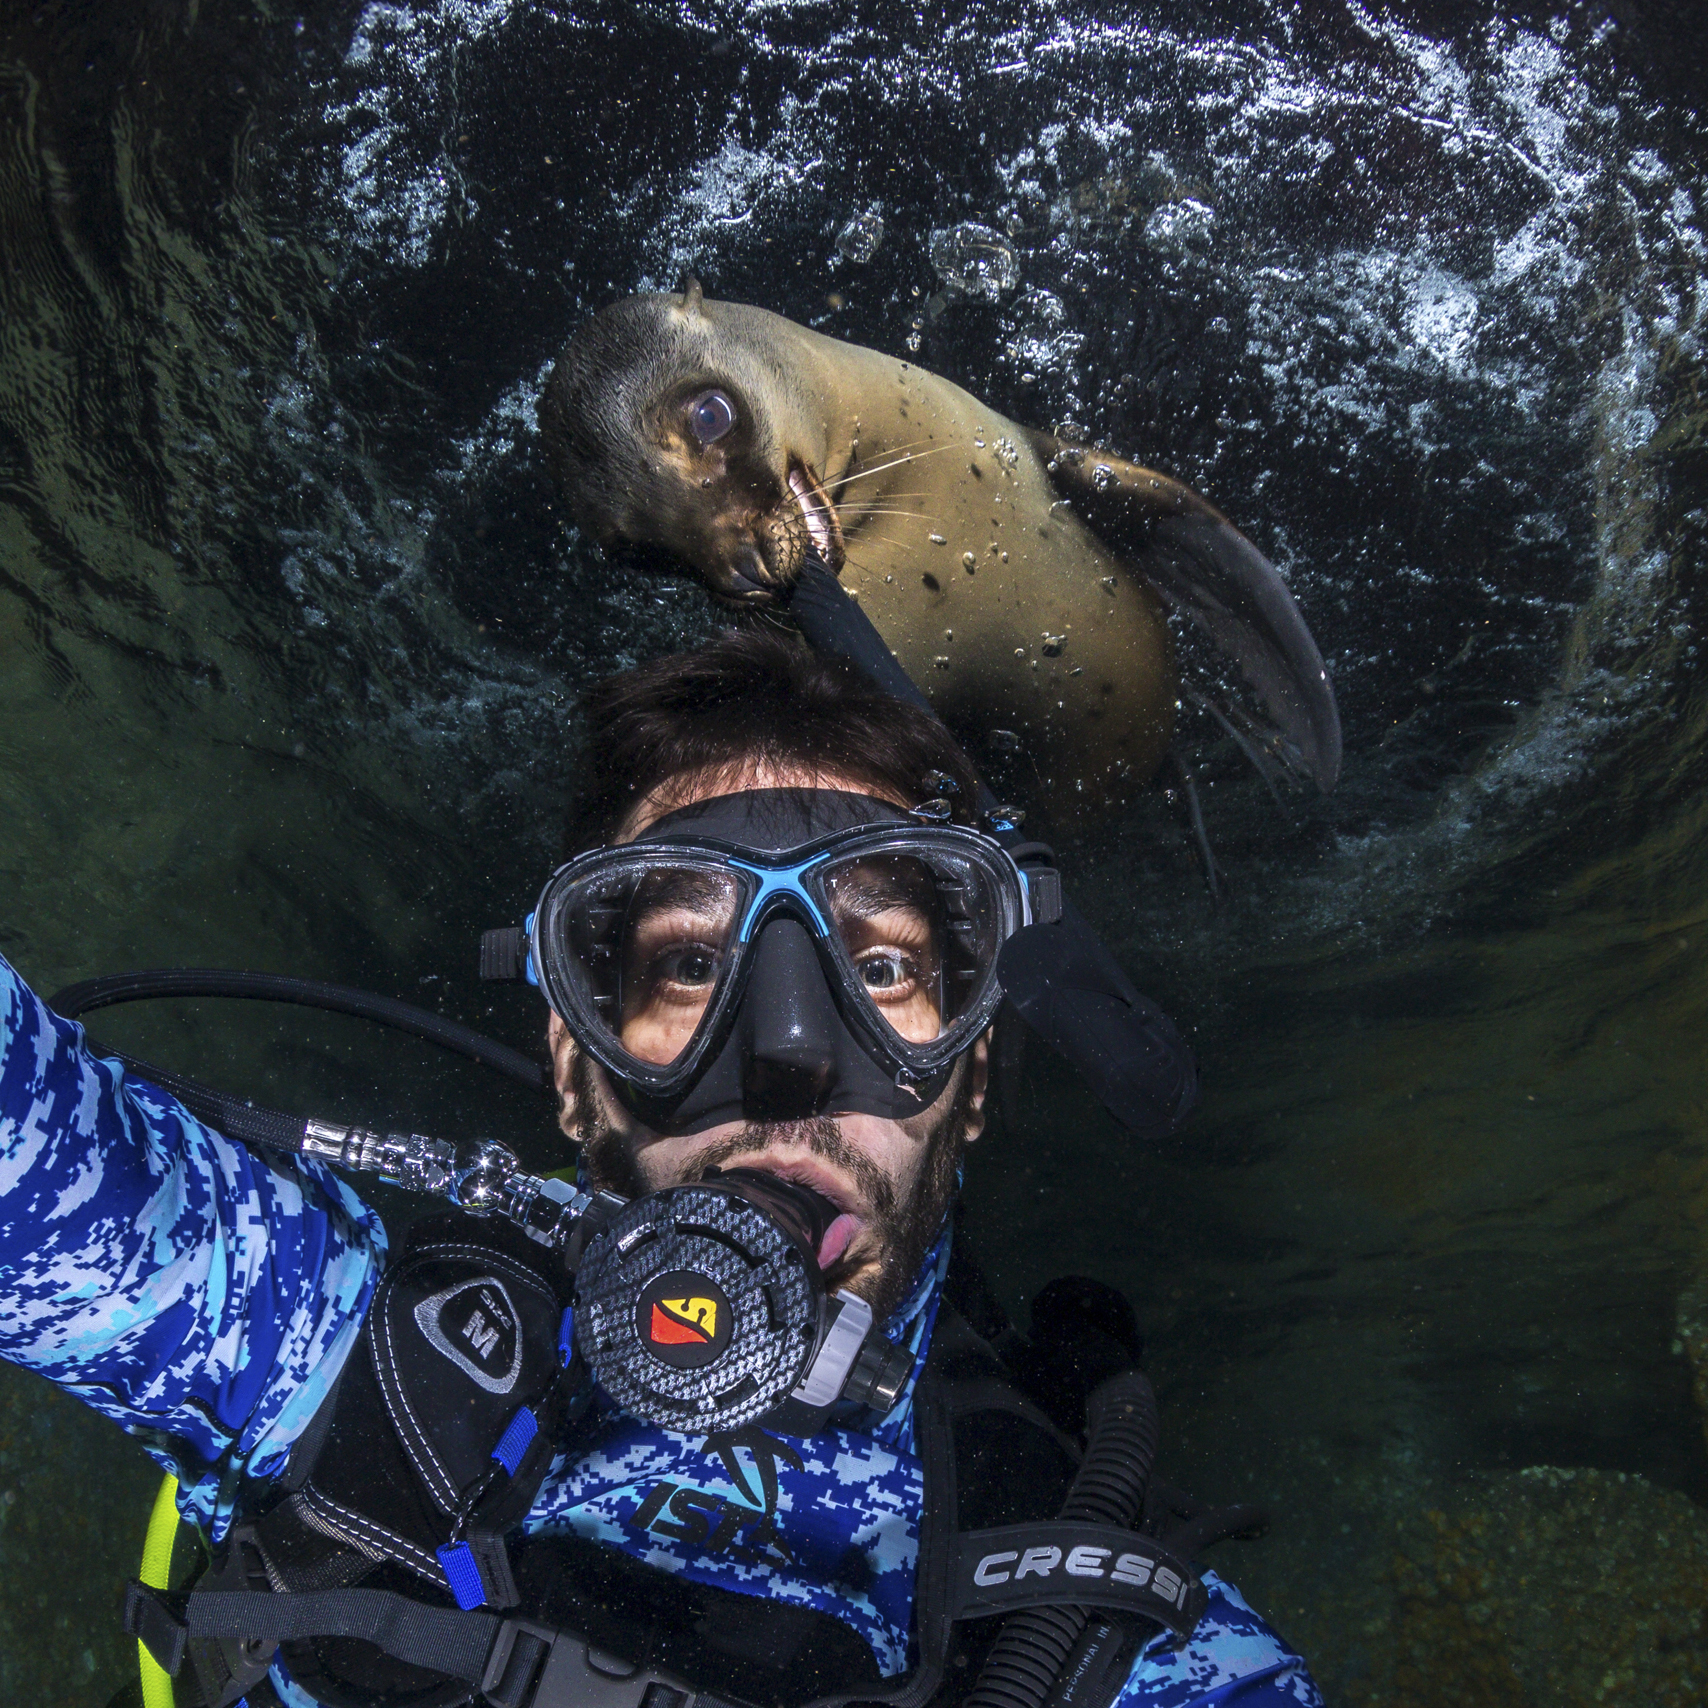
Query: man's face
x=891 y=1181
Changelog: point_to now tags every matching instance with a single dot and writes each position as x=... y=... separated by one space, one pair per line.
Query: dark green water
x=292 y=638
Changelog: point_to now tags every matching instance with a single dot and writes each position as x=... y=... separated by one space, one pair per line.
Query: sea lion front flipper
x=1203 y=565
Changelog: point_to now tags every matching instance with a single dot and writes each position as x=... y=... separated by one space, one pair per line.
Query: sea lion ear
x=691 y=296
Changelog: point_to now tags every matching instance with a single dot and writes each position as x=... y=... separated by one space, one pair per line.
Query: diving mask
x=781 y=953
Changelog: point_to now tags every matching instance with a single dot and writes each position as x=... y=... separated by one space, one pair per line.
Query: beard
x=900 y=1227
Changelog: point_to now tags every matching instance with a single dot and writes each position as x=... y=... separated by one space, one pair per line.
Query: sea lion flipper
x=1204 y=566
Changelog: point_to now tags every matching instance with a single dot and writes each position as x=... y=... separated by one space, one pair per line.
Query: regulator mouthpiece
x=802 y=1212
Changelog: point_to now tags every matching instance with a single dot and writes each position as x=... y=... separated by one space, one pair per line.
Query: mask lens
x=920 y=932
x=648 y=947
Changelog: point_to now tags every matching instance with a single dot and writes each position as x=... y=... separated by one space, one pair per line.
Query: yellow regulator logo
x=684 y=1319
x=694 y=1319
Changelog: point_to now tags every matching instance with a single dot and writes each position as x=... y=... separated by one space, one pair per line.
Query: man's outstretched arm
x=200 y=1297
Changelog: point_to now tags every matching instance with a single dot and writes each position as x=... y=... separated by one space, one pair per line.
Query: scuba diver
x=728 y=1420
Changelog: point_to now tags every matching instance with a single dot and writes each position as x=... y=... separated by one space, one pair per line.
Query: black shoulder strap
x=933 y=1610
x=511 y=1662
x=980 y=1573
x=442 y=1424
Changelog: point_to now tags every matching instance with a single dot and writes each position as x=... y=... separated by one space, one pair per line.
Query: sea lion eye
x=710 y=416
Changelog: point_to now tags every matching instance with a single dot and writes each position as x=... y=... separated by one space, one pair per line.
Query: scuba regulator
x=698 y=1308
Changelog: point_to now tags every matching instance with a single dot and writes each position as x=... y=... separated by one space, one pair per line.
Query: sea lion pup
x=739 y=442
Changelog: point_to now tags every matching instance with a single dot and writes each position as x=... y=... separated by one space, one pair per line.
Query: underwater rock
x=1556 y=1586
x=1692 y=1338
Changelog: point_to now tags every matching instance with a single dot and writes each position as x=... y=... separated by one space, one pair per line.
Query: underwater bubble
x=861 y=238
x=975 y=261
x=1178 y=226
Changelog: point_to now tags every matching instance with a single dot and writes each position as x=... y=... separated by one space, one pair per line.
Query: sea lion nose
x=748 y=573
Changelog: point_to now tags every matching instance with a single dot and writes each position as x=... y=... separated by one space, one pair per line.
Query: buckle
x=514 y=1661
x=477 y=1568
x=156 y=1619
x=504 y=955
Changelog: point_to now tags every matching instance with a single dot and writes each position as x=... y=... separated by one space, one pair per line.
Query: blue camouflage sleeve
x=1233 y=1659
x=203 y=1299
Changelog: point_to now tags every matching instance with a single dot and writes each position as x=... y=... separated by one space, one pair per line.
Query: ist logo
x=681 y=1322
x=745 y=1528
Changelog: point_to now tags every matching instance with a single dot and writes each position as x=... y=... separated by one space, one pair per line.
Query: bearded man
x=773 y=963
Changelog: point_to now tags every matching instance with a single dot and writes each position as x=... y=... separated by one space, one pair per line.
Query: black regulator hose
x=237 y=1117
x=1029 y=1654
x=79 y=999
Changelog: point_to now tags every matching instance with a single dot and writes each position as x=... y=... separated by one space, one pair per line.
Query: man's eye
x=883 y=972
x=690 y=966
x=710 y=416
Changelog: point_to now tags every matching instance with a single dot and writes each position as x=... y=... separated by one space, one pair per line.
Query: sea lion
x=739 y=442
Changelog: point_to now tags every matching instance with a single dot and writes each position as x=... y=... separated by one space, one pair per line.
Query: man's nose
x=788 y=1057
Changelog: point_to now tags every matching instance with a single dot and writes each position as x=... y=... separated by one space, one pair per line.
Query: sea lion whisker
x=908 y=445
x=894 y=462
x=885 y=540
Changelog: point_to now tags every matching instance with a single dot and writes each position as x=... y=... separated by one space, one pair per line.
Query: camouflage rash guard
x=205 y=1300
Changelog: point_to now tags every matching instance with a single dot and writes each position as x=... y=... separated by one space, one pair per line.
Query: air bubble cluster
x=975 y=261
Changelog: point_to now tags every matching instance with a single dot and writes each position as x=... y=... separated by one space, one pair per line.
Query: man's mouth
x=817 y=1177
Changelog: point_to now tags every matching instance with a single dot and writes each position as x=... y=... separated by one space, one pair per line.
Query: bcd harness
x=380 y=1566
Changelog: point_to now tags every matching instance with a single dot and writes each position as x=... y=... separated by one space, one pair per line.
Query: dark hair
x=753 y=696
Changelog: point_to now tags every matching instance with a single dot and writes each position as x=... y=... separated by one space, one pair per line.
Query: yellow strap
x=157 y=1574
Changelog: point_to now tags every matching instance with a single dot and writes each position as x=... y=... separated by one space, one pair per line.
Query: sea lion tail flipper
x=1203 y=565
